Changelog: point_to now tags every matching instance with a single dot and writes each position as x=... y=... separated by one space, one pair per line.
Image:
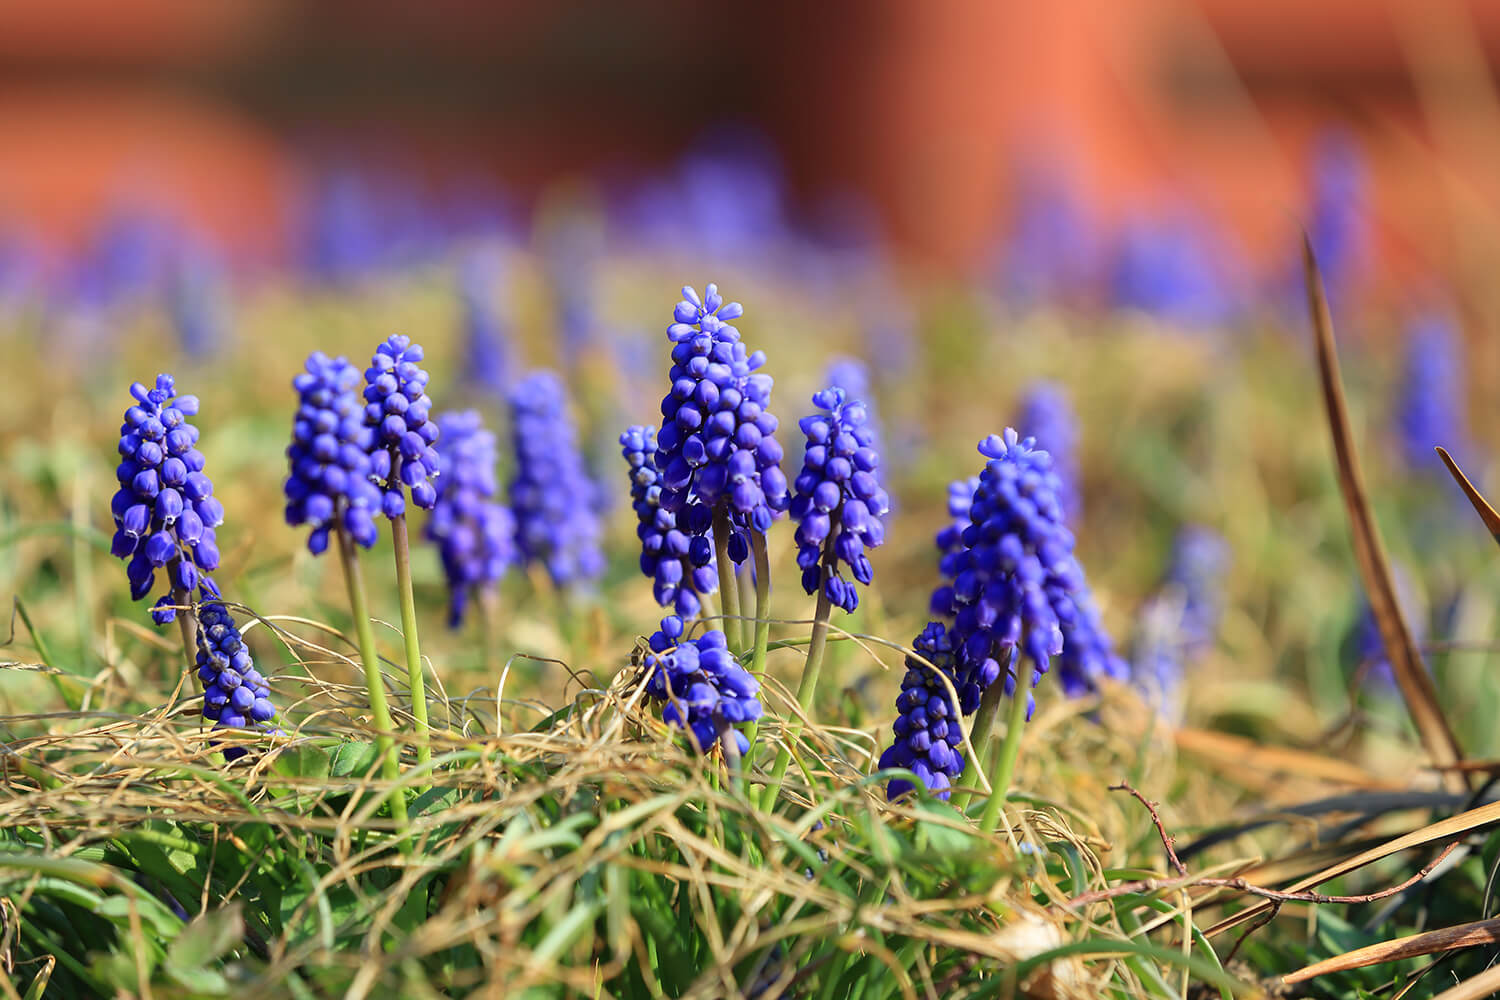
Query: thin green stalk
x=762 y=617
x=83 y=569
x=379 y=713
x=979 y=742
x=808 y=686
x=1010 y=750
x=746 y=598
x=729 y=597
x=414 y=671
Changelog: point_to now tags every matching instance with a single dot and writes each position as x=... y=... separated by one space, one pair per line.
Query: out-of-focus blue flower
x=342 y=239
x=1368 y=644
x=485 y=336
x=198 y=302
x=235 y=695
x=551 y=495
x=1046 y=416
x=950 y=542
x=475 y=535
x=329 y=457
x=124 y=261
x=839 y=504
x=929 y=730
x=1179 y=622
x=717 y=446
x=399 y=411
x=679 y=563
x=1088 y=653
x=705 y=689
x=1432 y=406
x=1337 y=210
x=1017 y=585
x=1169 y=265
x=165 y=512
x=1049 y=252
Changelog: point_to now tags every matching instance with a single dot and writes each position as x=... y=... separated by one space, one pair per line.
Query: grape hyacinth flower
x=706 y=691
x=929 y=730
x=1015 y=595
x=1338 y=211
x=400 y=413
x=1178 y=623
x=1046 y=416
x=330 y=483
x=1369 y=645
x=680 y=563
x=839 y=505
x=950 y=542
x=485 y=338
x=717 y=443
x=1432 y=407
x=551 y=496
x=475 y=535
x=165 y=512
x=235 y=695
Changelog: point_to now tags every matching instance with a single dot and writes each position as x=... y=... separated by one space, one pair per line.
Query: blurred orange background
x=216 y=109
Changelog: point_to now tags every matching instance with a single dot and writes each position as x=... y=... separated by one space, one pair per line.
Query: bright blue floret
x=397 y=407
x=1432 y=408
x=329 y=457
x=475 y=534
x=717 y=445
x=235 y=695
x=839 y=505
x=928 y=732
x=1016 y=585
x=1046 y=416
x=679 y=563
x=165 y=511
x=550 y=495
x=705 y=689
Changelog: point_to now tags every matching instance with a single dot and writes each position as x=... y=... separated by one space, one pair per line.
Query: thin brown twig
x=1167 y=840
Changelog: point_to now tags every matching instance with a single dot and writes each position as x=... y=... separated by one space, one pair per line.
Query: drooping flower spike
x=839 y=504
x=475 y=534
x=551 y=495
x=329 y=457
x=235 y=695
x=679 y=563
x=165 y=512
x=717 y=444
x=704 y=688
x=399 y=411
x=928 y=732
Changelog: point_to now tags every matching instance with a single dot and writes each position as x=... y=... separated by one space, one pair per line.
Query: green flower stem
x=762 y=618
x=187 y=625
x=379 y=713
x=414 y=671
x=746 y=598
x=807 y=689
x=1010 y=750
x=729 y=595
x=979 y=743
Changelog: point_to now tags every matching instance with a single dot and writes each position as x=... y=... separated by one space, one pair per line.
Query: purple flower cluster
x=950 y=541
x=1046 y=416
x=1016 y=582
x=397 y=407
x=329 y=457
x=235 y=695
x=486 y=344
x=1178 y=623
x=1432 y=407
x=1088 y=653
x=475 y=535
x=680 y=563
x=717 y=445
x=550 y=495
x=705 y=689
x=165 y=511
x=839 y=504
x=929 y=729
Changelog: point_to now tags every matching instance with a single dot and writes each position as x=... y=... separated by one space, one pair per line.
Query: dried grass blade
x=1444 y=830
x=1369 y=551
x=1443 y=939
x=1482 y=507
x=1482 y=985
